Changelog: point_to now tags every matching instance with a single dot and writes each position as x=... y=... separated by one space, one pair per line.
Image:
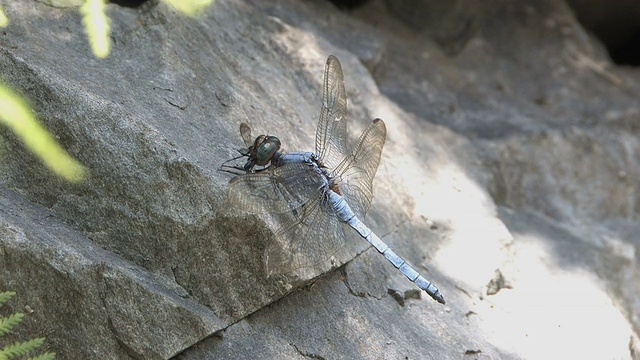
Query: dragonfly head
x=263 y=150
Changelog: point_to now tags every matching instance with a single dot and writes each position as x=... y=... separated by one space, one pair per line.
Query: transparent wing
x=245 y=132
x=276 y=190
x=355 y=173
x=309 y=238
x=331 y=134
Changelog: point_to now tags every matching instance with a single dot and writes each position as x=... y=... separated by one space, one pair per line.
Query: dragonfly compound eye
x=266 y=149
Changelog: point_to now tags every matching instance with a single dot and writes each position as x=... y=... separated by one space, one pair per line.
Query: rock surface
x=509 y=178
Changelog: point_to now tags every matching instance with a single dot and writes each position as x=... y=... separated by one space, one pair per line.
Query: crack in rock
x=307 y=354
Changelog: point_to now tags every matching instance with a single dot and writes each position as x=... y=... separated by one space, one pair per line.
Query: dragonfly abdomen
x=344 y=212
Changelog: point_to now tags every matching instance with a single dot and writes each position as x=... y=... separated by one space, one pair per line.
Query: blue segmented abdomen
x=344 y=212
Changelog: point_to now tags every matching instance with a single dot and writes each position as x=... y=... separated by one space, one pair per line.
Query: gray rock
x=90 y=299
x=508 y=178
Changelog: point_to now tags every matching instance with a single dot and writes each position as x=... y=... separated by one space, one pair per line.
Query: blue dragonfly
x=316 y=193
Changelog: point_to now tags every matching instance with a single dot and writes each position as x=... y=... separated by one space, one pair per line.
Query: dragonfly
x=320 y=194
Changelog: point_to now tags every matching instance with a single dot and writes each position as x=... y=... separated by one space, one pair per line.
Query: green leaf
x=3 y=18
x=17 y=115
x=7 y=323
x=97 y=26
x=189 y=7
x=45 y=356
x=6 y=296
x=22 y=348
